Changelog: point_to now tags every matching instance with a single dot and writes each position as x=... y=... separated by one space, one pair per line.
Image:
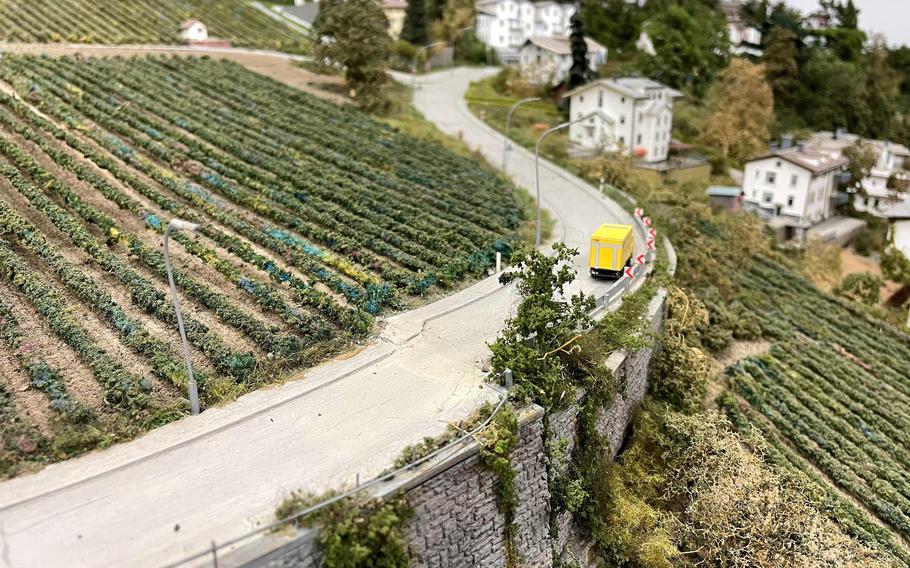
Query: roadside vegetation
x=144 y=21
x=321 y=219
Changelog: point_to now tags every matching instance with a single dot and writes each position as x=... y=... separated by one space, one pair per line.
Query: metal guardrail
x=620 y=287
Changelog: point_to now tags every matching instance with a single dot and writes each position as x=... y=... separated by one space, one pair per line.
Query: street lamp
x=452 y=41
x=537 y=162
x=181 y=225
x=417 y=53
x=506 y=147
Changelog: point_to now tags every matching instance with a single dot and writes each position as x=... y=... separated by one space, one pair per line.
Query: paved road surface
x=217 y=475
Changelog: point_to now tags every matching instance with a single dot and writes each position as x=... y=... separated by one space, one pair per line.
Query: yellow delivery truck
x=612 y=247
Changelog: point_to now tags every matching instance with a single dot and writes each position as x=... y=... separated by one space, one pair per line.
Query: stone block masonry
x=457 y=522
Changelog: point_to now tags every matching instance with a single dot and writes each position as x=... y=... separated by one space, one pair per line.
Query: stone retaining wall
x=457 y=523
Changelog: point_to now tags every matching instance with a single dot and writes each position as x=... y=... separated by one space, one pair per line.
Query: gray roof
x=815 y=160
x=306 y=12
x=724 y=191
x=898 y=211
x=635 y=87
x=561 y=45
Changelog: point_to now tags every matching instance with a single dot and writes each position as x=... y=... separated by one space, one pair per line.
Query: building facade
x=394 y=12
x=547 y=60
x=625 y=114
x=889 y=167
x=792 y=187
x=505 y=25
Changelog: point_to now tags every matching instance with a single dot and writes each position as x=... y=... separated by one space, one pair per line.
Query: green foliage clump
x=895 y=265
x=496 y=444
x=680 y=371
x=860 y=287
x=356 y=534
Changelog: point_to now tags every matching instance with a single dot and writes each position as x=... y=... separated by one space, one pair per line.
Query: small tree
x=354 y=35
x=415 y=26
x=860 y=287
x=741 y=110
x=861 y=159
x=546 y=325
x=580 y=72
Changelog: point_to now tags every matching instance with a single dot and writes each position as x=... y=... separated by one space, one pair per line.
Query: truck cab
x=611 y=252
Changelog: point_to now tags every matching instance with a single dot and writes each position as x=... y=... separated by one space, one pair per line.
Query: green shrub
x=860 y=287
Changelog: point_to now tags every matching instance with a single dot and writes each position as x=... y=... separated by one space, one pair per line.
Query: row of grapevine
x=313 y=219
x=834 y=385
x=143 y=21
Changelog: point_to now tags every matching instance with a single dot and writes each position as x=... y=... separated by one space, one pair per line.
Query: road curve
x=216 y=476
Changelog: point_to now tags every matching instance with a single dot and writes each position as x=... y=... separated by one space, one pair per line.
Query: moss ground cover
x=143 y=21
x=314 y=220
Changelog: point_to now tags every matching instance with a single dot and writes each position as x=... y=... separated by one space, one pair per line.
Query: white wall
x=770 y=195
x=517 y=20
x=901 y=232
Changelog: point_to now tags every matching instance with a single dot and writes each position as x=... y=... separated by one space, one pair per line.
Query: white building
x=632 y=115
x=744 y=39
x=792 y=187
x=504 y=25
x=547 y=60
x=890 y=158
x=899 y=232
x=394 y=12
x=193 y=30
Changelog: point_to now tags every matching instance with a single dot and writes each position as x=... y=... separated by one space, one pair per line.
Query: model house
x=792 y=186
x=880 y=193
x=625 y=114
x=547 y=60
x=744 y=39
x=505 y=25
x=193 y=30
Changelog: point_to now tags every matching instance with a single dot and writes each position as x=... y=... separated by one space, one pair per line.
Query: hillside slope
x=314 y=219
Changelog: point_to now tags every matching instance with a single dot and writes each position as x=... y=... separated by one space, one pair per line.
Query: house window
x=623 y=100
x=622 y=140
x=581 y=98
x=777 y=164
x=640 y=117
x=790 y=201
x=767 y=197
x=771 y=178
x=622 y=119
x=757 y=173
x=600 y=98
x=793 y=180
x=638 y=139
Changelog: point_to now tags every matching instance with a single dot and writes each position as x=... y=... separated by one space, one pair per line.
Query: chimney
x=786 y=141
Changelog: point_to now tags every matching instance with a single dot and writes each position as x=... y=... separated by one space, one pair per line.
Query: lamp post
x=181 y=225
x=537 y=163
x=506 y=147
x=417 y=53
x=452 y=41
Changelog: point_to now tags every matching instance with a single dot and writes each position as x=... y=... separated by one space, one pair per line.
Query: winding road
x=218 y=475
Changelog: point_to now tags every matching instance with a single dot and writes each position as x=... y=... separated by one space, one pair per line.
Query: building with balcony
x=547 y=60
x=505 y=25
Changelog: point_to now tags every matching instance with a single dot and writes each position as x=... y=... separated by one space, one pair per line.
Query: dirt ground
x=852 y=262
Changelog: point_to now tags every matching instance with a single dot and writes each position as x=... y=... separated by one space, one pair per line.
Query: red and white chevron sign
x=652 y=233
x=640 y=259
x=650 y=244
x=647 y=221
x=639 y=212
x=629 y=272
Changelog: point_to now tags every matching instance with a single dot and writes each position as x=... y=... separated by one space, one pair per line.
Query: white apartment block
x=627 y=114
x=793 y=186
x=505 y=25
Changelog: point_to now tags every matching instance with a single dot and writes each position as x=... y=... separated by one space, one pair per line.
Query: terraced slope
x=832 y=399
x=142 y=21
x=314 y=220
